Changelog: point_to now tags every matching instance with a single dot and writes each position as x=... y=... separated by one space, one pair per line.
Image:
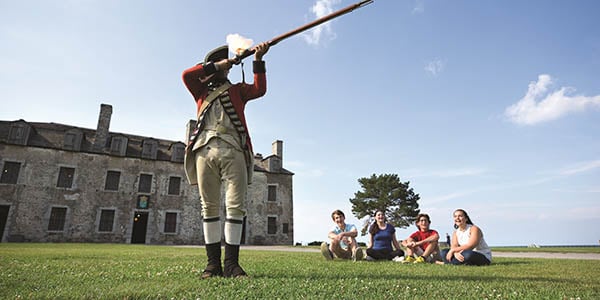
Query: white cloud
x=551 y=105
x=419 y=7
x=581 y=167
x=435 y=67
x=320 y=9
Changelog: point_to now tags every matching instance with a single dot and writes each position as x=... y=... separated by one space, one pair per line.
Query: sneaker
x=419 y=260
x=325 y=251
x=369 y=258
x=408 y=259
x=358 y=254
x=398 y=259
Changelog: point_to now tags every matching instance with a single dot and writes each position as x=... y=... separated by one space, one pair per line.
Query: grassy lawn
x=549 y=249
x=101 y=271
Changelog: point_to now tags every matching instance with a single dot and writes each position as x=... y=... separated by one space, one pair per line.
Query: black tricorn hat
x=217 y=54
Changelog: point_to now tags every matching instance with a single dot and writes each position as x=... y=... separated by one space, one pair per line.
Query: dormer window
x=72 y=140
x=177 y=152
x=118 y=145
x=19 y=133
x=149 y=148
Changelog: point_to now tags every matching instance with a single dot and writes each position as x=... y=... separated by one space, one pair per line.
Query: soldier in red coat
x=219 y=152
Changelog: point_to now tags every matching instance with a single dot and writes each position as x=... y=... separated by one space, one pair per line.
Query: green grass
x=549 y=249
x=102 y=271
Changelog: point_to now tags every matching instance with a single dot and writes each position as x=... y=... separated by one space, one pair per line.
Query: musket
x=238 y=58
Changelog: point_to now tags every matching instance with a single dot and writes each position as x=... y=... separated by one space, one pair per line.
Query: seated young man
x=342 y=238
x=422 y=245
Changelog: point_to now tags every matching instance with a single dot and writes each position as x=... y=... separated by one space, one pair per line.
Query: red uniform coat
x=239 y=94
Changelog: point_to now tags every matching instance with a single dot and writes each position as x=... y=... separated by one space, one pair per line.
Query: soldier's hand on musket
x=224 y=64
x=261 y=50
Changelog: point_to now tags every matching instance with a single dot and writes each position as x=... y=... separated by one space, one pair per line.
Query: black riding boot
x=231 y=264
x=213 y=268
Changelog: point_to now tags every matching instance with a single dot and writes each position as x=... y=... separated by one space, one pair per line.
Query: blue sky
x=489 y=106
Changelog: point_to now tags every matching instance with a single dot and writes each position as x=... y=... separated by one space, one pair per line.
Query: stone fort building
x=61 y=183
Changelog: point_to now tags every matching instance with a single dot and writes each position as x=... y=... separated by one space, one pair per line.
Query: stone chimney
x=277 y=147
x=101 y=137
x=276 y=160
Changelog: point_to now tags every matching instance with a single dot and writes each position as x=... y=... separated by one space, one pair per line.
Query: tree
x=386 y=193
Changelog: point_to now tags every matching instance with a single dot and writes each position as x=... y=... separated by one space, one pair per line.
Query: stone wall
x=32 y=198
x=34 y=195
x=43 y=148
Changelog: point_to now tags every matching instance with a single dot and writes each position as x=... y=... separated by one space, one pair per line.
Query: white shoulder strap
x=212 y=97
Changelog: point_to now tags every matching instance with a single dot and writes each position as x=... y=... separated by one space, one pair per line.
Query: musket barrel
x=312 y=24
x=319 y=21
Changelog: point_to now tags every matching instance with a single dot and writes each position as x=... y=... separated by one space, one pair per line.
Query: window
x=69 y=142
x=285 y=229
x=271 y=225
x=118 y=145
x=112 y=180
x=19 y=134
x=10 y=172
x=72 y=140
x=145 y=185
x=174 y=185
x=115 y=145
x=57 y=219
x=107 y=218
x=149 y=149
x=170 y=222
x=177 y=152
x=65 y=177
x=272 y=193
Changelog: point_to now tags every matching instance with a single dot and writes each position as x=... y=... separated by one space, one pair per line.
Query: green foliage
x=103 y=271
x=386 y=193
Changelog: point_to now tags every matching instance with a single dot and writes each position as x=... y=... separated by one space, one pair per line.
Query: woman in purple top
x=383 y=244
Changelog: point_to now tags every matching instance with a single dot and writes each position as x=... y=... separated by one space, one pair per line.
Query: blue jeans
x=473 y=258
